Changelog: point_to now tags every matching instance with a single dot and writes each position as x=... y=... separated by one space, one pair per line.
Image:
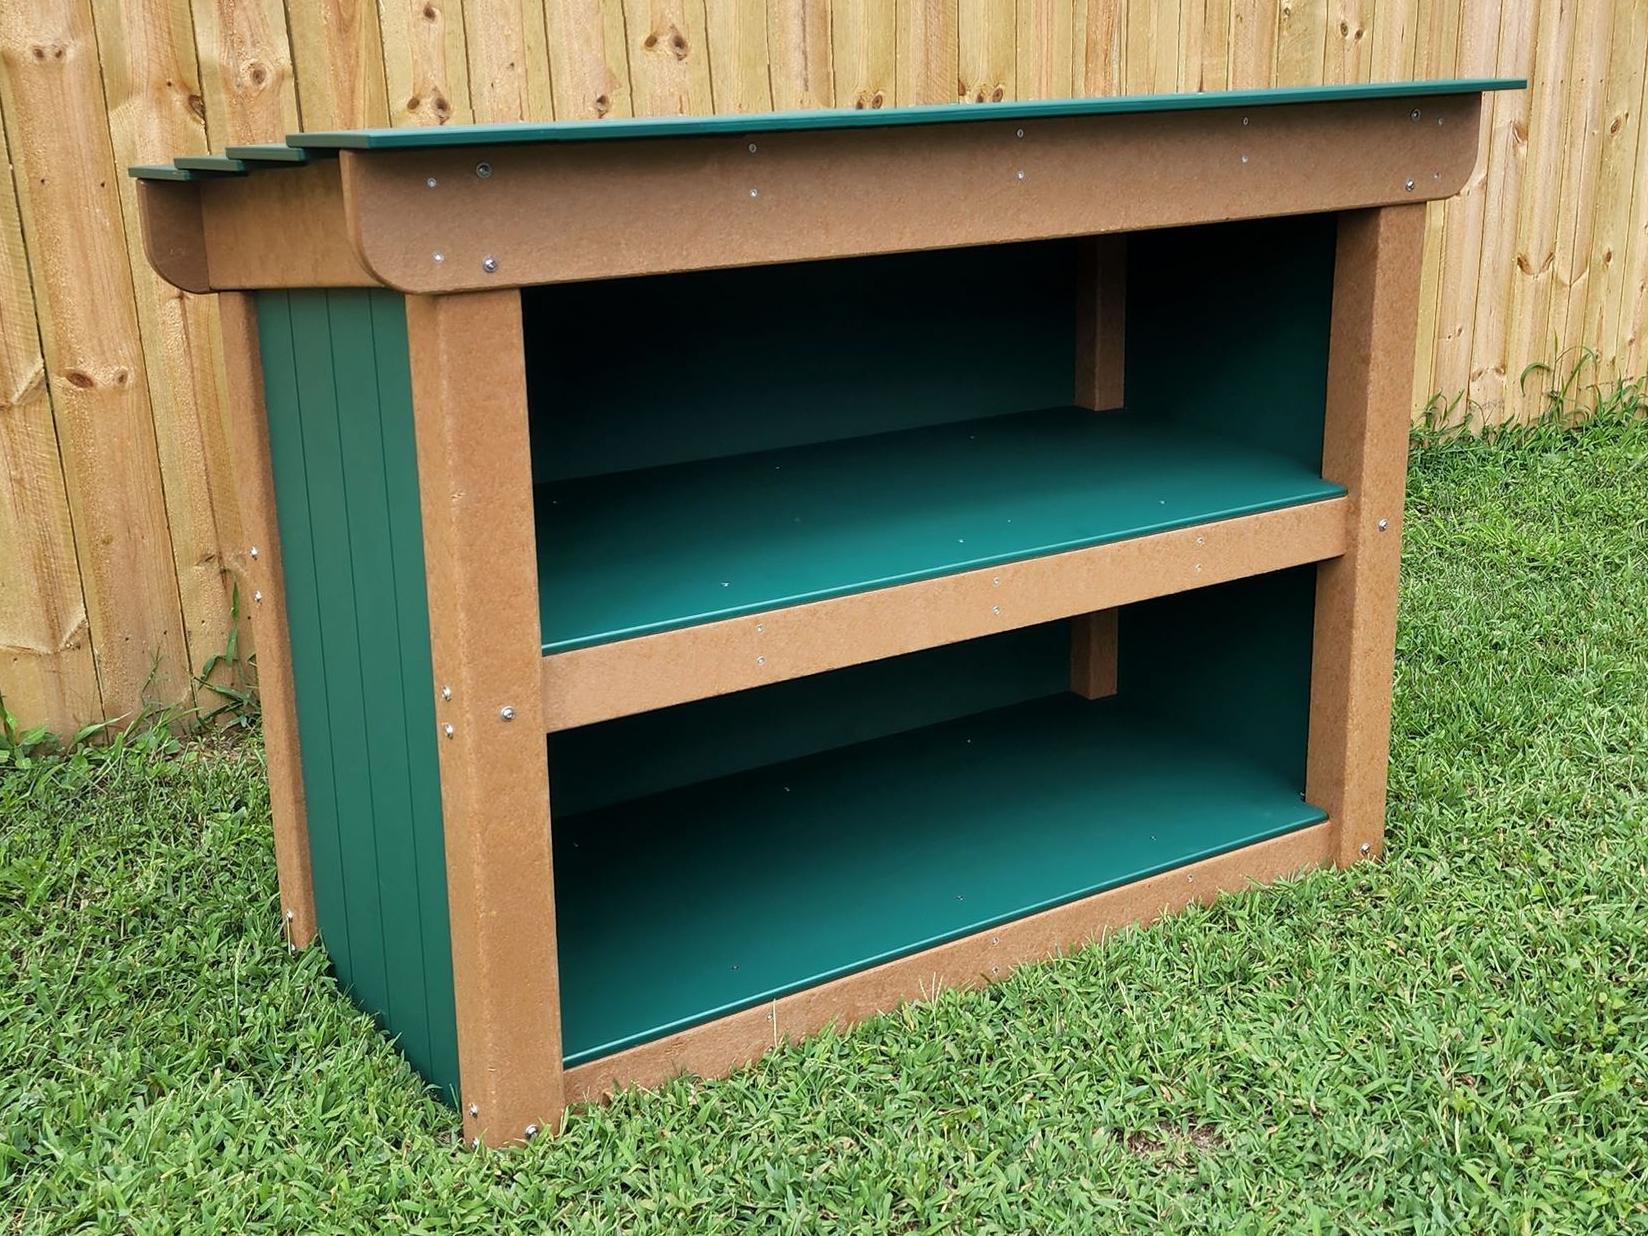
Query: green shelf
x=677 y=908
x=632 y=553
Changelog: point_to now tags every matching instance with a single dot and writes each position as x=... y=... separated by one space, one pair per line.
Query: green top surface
x=220 y=165
x=268 y=154
x=678 y=908
x=160 y=171
x=637 y=552
x=623 y=128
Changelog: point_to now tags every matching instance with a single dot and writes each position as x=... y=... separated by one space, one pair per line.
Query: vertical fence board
x=928 y=54
x=245 y=70
x=1301 y=42
x=737 y=31
x=425 y=62
x=46 y=671
x=1100 y=25
x=52 y=98
x=1046 y=55
x=986 y=36
x=1252 y=44
x=155 y=109
x=863 y=42
x=1435 y=55
x=1349 y=50
x=506 y=43
x=1632 y=339
x=669 y=62
x=337 y=56
x=588 y=58
x=803 y=68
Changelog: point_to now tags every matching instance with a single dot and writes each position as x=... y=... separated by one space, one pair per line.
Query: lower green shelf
x=678 y=908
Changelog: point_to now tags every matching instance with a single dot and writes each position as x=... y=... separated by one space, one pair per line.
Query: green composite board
x=684 y=906
x=337 y=383
x=635 y=553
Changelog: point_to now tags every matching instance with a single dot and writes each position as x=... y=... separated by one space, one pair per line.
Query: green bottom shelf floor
x=681 y=907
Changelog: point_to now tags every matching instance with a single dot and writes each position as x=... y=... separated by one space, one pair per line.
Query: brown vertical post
x=1093 y=654
x=1101 y=321
x=1370 y=380
x=264 y=596
x=469 y=404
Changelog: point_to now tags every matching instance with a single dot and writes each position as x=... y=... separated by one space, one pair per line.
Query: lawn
x=1453 y=1040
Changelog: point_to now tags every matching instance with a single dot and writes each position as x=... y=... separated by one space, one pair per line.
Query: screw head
x=761 y=660
x=290 y=915
x=448 y=730
x=474 y=1110
x=474 y=1143
x=489 y=264
x=431 y=183
x=1021 y=174
x=506 y=713
x=446 y=693
x=1020 y=133
x=1384 y=525
x=995 y=609
x=439 y=257
x=1366 y=848
x=752 y=147
x=484 y=171
x=755 y=192
x=257 y=598
x=531 y=1131
x=1414 y=115
x=254 y=551
x=1244 y=122
x=1408 y=185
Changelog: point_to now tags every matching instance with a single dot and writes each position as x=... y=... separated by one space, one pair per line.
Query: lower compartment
x=681 y=907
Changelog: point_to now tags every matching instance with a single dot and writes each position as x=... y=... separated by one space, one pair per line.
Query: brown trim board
x=673 y=667
x=717 y=1048
x=546 y=214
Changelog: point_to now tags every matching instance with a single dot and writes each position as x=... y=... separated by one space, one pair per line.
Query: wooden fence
x=119 y=534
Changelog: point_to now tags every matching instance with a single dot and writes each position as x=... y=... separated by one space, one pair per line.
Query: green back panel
x=337 y=383
x=727 y=362
x=1227 y=330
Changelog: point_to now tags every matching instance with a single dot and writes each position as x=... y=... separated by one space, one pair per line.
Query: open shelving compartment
x=719 y=577
x=782 y=447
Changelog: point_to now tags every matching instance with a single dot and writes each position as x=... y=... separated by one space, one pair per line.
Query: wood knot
x=603 y=105
x=44 y=51
x=650 y=42
x=414 y=103
x=431 y=13
x=678 y=44
x=197 y=105
x=998 y=94
x=80 y=380
x=877 y=99
x=257 y=74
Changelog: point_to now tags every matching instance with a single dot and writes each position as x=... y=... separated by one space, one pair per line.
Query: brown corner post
x=1365 y=449
x=1101 y=321
x=469 y=405
x=1093 y=654
x=264 y=595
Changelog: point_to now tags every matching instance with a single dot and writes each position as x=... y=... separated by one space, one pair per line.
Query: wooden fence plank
x=1301 y=41
x=669 y=60
x=155 y=110
x=46 y=671
x=1395 y=40
x=803 y=67
x=1349 y=50
x=52 y=99
x=1507 y=154
x=1152 y=47
x=737 y=31
x=1100 y=26
x=1577 y=206
x=1531 y=277
x=863 y=43
x=507 y=48
x=1252 y=44
x=245 y=70
x=986 y=37
x=337 y=56
x=588 y=60
x=425 y=62
x=1046 y=56
x=1436 y=55
x=1633 y=308
x=1215 y=48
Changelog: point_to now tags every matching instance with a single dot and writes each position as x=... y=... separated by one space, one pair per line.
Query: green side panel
x=841 y=118
x=728 y=362
x=596 y=765
x=1227 y=330
x=674 y=909
x=219 y=165
x=269 y=153
x=670 y=547
x=338 y=387
x=159 y=171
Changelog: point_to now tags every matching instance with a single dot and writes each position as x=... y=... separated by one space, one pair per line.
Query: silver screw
x=439 y=257
x=752 y=147
x=484 y=170
x=755 y=192
x=1384 y=525
x=995 y=609
x=490 y=265
x=446 y=693
x=257 y=598
x=1020 y=133
x=474 y=1111
x=290 y=915
x=1408 y=185
x=475 y=1143
x=1021 y=173
x=431 y=182
x=1244 y=121
x=996 y=581
x=506 y=713
x=254 y=551
x=1414 y=115
x=1366 y=848
x=761 y=660
x=760 y=628
x=531 y=1131
x=1244 y=158
x=448 y=730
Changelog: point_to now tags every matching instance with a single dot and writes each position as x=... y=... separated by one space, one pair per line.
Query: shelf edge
x=606 y=681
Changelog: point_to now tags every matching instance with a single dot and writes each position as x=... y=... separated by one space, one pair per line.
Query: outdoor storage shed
x=926 y=538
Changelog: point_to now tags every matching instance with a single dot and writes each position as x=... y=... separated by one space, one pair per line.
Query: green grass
x=1454 y=1040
